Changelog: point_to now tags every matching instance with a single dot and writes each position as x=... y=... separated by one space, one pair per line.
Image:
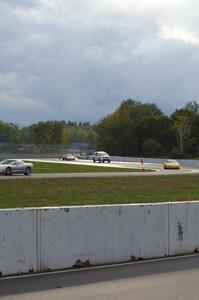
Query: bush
x=151 y=147
x=174 y=153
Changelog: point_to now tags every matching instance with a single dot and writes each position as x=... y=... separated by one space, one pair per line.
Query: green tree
x=192 y=141
x=124 y=131
x=9 y=132
x=81 y=133
x=50 y=132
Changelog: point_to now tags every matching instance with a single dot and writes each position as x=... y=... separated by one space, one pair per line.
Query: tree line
x=48 y=132
x=133 y=129
x=137 y=128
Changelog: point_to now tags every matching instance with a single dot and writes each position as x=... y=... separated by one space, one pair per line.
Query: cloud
x=22 y=3
x=181 y=34
x=73 y=60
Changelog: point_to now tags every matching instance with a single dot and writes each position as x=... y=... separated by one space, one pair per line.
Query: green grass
x=82 y=191
x=42 y=167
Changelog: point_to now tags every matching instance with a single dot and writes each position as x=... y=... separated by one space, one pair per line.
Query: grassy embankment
x=82 y=191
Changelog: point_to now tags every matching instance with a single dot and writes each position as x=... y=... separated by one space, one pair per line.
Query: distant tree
x=50 y=132
x=181 y=123
x=192 y=141
x=192 y=107
x=25 y=135
x=60 y=132
x=81 y=133
x=9 y=132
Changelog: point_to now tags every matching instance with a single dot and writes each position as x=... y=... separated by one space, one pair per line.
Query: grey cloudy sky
x=78 y=59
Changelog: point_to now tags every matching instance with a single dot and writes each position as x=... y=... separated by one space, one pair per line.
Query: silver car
x=13 y=166
x=68 y=157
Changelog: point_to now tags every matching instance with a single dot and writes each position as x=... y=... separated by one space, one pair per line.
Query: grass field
x=107 y=190
x=42 y=167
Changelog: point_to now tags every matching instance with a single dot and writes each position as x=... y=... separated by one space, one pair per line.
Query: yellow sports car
x=171 y=164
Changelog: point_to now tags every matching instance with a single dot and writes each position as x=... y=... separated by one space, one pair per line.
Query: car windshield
x=171 y=161
x=101 y=153
x=7 y=161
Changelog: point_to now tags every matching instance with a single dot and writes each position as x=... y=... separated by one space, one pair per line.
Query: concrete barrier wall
x=56 y=238
x=18 y=241
x=183 y=227
x=102 y=234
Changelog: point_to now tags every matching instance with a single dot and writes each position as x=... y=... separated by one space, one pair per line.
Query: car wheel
x=27 y=171
x=8 y=171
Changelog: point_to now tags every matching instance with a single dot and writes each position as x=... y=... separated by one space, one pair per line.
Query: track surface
x=175 y=278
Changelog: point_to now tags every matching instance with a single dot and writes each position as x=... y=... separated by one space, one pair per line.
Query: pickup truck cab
x=101 y=156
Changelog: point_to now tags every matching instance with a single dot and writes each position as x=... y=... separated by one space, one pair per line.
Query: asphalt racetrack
x=156 y=169
x=171 y=278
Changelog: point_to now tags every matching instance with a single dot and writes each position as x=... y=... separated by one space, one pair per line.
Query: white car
x=13 y=166
x=101 y=156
